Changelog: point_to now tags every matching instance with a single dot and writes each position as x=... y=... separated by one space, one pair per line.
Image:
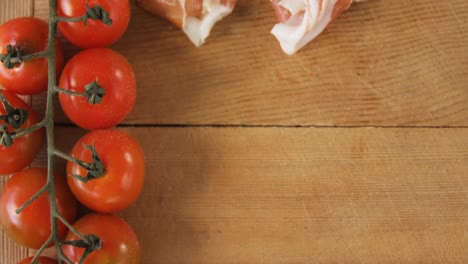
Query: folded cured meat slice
x=300 y=21
x=195 y=17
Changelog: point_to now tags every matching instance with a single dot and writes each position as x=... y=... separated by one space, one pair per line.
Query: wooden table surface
x=355 y=150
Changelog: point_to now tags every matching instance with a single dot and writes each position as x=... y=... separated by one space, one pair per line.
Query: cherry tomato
x=25 y=148
x=124 y=170
x=113 y=73
x=29 y=35
x=31 y=228
x=95 y=34
x=119 y=244
x=40 y=260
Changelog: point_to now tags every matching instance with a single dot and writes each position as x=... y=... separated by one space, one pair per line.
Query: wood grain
x=10 y=252
x=382 y=63
x=298 y=195
x=10 y=9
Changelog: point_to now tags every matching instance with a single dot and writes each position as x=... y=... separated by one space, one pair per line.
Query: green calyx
x=97 y=13
x=6 y=139
x=95 y=169
x=91 y=244
x=14 y=117
x=12 y=58
x=94 y=92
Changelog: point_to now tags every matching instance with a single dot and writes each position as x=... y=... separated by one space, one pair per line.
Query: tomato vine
x=15 y=117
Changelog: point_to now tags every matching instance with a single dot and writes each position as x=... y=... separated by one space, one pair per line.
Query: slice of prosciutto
x=195 y=17
x=300 y=21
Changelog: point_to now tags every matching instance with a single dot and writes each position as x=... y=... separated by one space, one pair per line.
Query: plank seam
x=266 y=126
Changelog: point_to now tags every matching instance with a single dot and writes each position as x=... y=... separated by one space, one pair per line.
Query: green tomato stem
x=49 y=126
x=28 y=57
x=22 y=132
x=69 y=19
x=95 y=169
x=14 y=58
x=68 y=92
x=64 y=156
x=43 y=247
x=73 y=229
x=93 y=91
x=95 y=12
x=32 y=199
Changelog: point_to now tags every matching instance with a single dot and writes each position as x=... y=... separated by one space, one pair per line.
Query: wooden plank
x=10 y=9
x=296 y=195
x=384 y=63
x=10 y=252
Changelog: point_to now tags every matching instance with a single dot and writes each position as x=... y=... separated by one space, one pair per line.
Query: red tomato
x=119 y=244
x=30 y=35
x=124 y=167
x=40 y=260
x=31 y=228
x=25 y=148
x=95 y=34
x=113 y=73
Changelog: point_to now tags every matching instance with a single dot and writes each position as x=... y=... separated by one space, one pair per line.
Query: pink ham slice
x=195 y=17
x=300 y=21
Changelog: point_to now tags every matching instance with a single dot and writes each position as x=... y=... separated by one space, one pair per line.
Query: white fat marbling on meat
x=294 y=6
x=198 y=29
x=293 y=36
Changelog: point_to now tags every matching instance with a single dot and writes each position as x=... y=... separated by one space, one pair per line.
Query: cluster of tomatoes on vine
x=105 y=169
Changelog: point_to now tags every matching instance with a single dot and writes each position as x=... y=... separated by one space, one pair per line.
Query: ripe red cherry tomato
x=40 y=260
x=113 y=73
x=95 y=34
x=124 y=167
x=25 y=148
x=31 y=228
x=30 y=35
x=119 y=244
